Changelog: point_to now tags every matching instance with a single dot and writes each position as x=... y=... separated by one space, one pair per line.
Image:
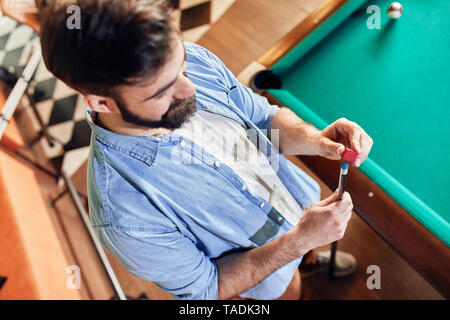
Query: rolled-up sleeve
x=168 y=258
x=256 y=107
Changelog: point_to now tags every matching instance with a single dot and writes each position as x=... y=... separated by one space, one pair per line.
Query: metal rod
x=90 y=229
x=44 y=129
x=19 y=89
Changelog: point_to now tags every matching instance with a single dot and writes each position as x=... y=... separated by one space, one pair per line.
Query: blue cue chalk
x=342 y=180
x=341 y=190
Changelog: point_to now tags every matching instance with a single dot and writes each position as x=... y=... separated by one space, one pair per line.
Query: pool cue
x=341 y=189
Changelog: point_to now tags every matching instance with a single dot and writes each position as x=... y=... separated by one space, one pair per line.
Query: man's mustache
x=179 y=102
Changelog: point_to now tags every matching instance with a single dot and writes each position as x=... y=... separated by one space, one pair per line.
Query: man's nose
x=184 y=88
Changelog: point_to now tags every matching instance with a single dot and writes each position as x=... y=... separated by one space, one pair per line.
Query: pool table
x=393 y=79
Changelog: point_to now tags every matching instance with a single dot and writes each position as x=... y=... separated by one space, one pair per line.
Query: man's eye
x=161 y=95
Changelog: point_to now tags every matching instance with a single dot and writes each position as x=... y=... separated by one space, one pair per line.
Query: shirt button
x=244 y=187
x=182 y=143
x=280 y=219
x=261 y=204
x=216 y=163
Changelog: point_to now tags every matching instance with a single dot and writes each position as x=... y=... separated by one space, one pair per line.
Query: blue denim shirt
x=166 y=219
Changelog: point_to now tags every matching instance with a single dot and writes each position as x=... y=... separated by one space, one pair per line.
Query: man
x=185 y=188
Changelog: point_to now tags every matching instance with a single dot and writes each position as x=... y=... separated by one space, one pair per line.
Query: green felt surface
x=395 y=83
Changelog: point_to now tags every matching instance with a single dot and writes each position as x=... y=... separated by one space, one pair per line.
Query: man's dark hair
x=120 y=42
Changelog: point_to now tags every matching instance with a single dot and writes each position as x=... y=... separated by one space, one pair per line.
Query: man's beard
x=179 y=112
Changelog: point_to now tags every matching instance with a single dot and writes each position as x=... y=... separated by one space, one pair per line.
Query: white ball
x=395 y=10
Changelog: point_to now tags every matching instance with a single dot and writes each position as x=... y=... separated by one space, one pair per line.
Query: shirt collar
x=141 y=147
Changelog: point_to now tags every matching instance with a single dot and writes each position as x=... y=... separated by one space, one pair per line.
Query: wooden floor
x=243 y=33
x=250 y=27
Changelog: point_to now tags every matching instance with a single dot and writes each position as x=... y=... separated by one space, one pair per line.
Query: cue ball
x=395 y=10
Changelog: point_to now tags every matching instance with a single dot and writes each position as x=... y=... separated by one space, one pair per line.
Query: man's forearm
x=295 y=135
x=240 y=271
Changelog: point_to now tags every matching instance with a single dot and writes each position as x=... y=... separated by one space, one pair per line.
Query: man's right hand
x=322 y=223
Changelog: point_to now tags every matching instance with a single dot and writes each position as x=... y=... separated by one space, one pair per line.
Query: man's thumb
x=327 y=201
x=335 y=148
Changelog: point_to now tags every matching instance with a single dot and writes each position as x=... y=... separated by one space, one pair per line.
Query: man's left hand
x=331 y=142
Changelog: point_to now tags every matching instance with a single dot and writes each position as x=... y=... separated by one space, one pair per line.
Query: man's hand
x=324 y=222
x=301 y=138
x=23 y=11
x=331 y=142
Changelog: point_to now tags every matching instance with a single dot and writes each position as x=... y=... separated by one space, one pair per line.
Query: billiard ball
x=395 y=10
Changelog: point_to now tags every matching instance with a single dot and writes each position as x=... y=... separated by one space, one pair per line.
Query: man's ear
x=101 y=103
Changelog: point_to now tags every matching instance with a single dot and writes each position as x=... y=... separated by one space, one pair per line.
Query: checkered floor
x=61 y=108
